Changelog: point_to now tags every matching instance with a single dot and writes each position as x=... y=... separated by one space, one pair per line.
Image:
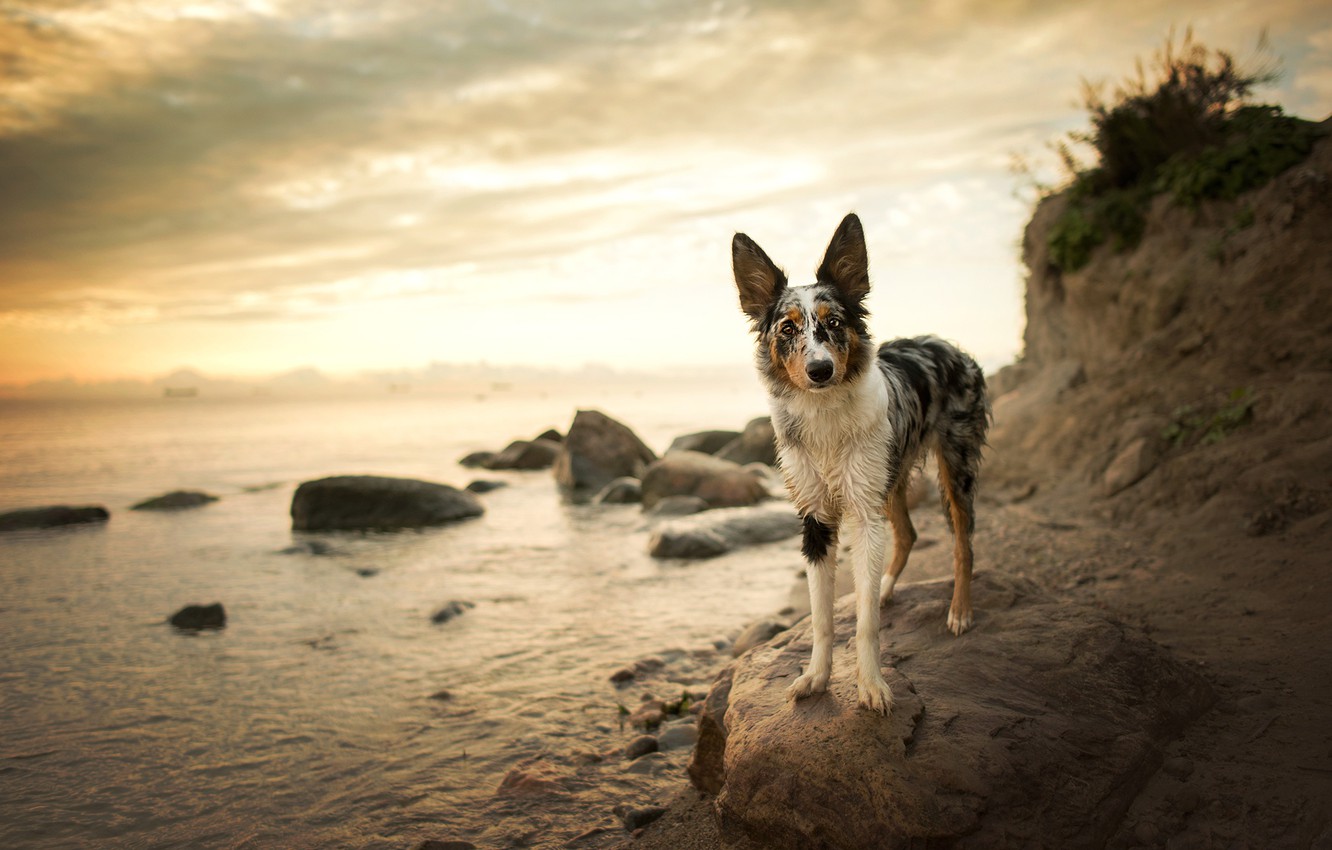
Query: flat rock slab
x=373 y=502
x=51 y=517
x=714 y=533
x=175 y=500
x=1037 y=728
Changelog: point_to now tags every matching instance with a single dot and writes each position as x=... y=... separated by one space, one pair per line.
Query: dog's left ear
x=846 y=263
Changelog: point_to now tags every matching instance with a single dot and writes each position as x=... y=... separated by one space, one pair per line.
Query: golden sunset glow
x=251 y=187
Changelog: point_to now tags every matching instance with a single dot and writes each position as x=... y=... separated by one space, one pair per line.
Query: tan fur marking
x=904 y=533
x=962 y=555
x=840 y=358
x=795 y=369
x=777 y=367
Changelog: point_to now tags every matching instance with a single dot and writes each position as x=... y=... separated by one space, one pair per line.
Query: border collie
x=851 y=424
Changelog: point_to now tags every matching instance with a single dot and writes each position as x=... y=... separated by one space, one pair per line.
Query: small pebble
x=635 y=818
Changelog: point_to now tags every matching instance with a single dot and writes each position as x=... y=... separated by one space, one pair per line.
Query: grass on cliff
x=1183 y=127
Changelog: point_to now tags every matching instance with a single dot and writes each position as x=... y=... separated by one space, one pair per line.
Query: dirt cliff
x=1206 y=353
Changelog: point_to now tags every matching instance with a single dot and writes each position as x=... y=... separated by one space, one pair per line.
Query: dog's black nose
x=820 y=371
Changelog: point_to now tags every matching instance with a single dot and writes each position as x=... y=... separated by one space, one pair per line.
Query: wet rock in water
x=1043 y=724
x=681 y=735
x=678 y=506
x=637 y=817
x=436 y=844
x=374 y=502
x=477 y=460
x=649 y=765
x=482 y=486
x=552 y=435
x=649 y=714
x=52 y=517
x=718 y=532
x=198 y=617
x=309 y=547
x=367 y=572
x=597 y=450
x=756 y=444
x=442 y=696
x=621 y=491
x=451 y=609
x=720 y=483
x=526 y=455
x=757 y=632
x=693 y=544
x=640 y=746
x=707 y=442
x=623 y=676
x=175 y=500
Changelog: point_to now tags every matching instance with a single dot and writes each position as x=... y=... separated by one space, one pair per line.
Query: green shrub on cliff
x=1260 y=143
x=1185 y=129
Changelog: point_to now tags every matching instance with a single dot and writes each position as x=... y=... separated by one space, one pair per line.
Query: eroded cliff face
x=1207 y=344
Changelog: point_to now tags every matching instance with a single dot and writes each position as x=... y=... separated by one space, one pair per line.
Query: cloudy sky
x=252 y=186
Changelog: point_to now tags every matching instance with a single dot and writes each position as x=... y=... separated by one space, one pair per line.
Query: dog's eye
x=834 y=323
x=788 y=328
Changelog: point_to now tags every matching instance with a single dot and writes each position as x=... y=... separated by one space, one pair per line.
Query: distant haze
x=252 y=188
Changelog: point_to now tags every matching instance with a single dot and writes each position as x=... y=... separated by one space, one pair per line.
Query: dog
x=851 y=424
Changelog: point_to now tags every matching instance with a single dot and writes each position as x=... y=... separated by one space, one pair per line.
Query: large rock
x=756 y=444
x=51 y=517
x=1037 y=728
x=597 y=450
x=720 y=483
x=526 y=455
x=377 y=502
x=718 y=532
x=175 y=500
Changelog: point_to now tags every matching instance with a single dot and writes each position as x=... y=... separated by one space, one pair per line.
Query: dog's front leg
x=866 y=533
x=820 y=548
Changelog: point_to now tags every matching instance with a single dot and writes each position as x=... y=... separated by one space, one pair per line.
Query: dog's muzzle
x=820 y=372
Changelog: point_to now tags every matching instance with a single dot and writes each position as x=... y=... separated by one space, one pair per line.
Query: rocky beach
x=1149 y=666
x=1150 y=661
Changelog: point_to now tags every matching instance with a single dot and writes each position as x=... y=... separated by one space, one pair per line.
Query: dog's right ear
x=757 y=277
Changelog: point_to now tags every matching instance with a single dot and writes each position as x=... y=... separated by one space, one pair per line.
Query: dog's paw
x=959 y=621
x=807 y=685
x=875 y=694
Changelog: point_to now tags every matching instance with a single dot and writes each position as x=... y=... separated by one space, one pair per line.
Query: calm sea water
x=307 y=721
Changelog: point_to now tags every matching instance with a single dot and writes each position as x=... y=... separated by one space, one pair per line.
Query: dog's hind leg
x=820 y=549
x=957 y=487
x=904 y=537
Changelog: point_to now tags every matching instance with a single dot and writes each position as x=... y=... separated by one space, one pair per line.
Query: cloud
x=237 y=162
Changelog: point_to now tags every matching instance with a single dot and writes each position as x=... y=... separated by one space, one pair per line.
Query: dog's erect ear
x=757 y=278
x=846 y=264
